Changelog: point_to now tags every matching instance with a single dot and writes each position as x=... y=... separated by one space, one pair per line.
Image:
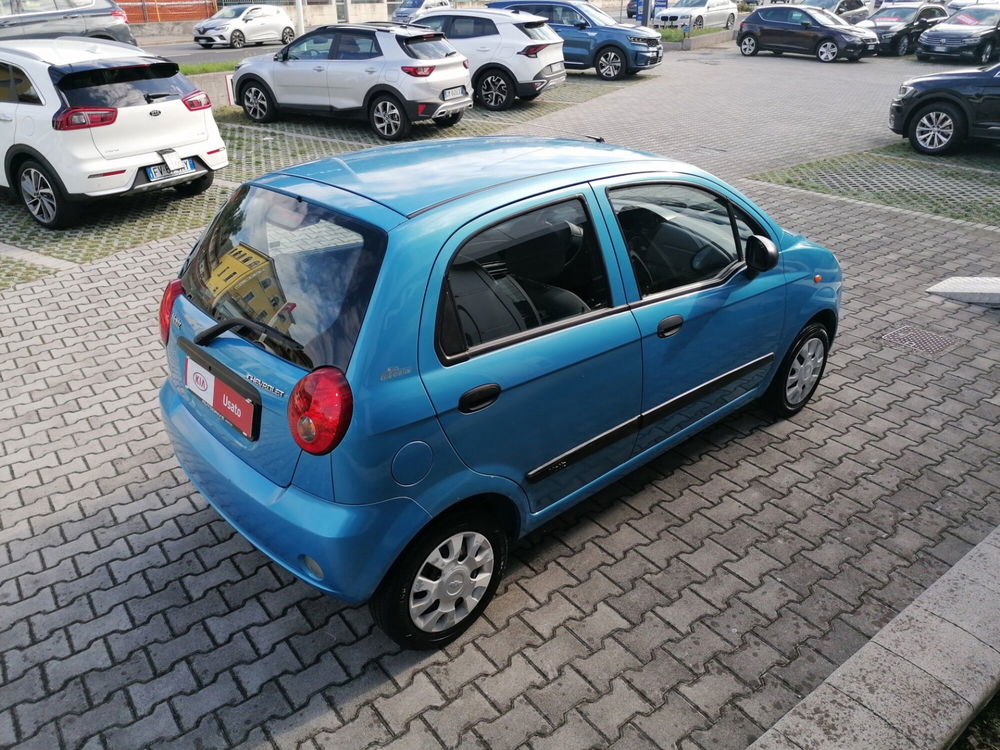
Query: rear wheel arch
x=382 y=88
x=16 y=155
x=490 y=66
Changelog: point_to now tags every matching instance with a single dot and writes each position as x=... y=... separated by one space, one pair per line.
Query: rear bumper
x=353 y=545
x=541 y=82
x=436 y=108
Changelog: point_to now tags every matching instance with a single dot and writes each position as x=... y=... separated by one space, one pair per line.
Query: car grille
x=943 y=41
x=650 y=42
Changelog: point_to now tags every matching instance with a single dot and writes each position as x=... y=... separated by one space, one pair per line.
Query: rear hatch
x=449 y=70
x=151 y=99
x=550 y=57
x=305 y=274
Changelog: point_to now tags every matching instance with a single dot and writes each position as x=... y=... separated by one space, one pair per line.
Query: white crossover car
x=698 y=14
x=83 y=118
x=239 y=25
x=392 y=74
x=510 y=53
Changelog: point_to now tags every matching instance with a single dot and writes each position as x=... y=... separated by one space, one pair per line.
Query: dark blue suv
x=593 y=39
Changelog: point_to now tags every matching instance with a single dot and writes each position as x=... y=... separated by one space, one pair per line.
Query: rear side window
x=529 y=271
x=302 y=269
x=24 y=91
x=38 y=6
x=124 y=87
x=539 y=31
x=778 y=15
x=353 y=46
x=463 y=27
x=429 y=47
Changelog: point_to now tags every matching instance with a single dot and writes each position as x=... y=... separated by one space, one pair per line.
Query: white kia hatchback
x=511 y=54
x=84 y=118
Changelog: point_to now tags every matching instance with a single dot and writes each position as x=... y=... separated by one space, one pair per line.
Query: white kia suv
x=84 y=118
x=393 y=74
x=510 y=53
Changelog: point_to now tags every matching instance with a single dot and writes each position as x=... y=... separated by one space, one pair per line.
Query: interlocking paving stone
x=798 y=539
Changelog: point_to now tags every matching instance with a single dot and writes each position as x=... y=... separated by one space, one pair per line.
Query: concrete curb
x=702 y=40
x=919 y=682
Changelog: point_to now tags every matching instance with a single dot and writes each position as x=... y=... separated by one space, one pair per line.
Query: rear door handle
x=669 y=326
x=6 y=118
x=371 y=70
x=319 y=68
x=478 y=398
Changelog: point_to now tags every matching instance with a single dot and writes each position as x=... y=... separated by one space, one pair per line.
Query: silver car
x=239 y=25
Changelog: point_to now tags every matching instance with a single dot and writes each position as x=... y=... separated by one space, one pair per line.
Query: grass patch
x=13 y=271
x=677 y=35
x=193 y=69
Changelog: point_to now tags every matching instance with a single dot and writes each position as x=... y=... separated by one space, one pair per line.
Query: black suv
x=899 y=24
x=804 y=29
x=939 y=111
x=101 y=19
x=972 y=33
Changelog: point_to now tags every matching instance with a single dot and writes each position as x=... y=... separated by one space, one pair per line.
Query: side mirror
x=807 y=24
x=281 y=55
x=761 y=254
x=581 y=24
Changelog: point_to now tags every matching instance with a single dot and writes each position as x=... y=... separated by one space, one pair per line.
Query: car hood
x=953 y=77
x=633 y=30
x=214 y=23
x=958 y=29
x=880 y=25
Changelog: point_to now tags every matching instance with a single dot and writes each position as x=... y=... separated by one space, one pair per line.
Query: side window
x=463 y=27
x=570 y=17
x=796 y=16
x=531 y=270
x=312 y=47
x=776 y=15
x=435 y=22
x=355 y=46
x=7 y=93
x=24 y=92
x=38 y=6
x=675 y=234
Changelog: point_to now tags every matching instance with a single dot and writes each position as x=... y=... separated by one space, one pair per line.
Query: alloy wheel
x=698 y=23
x=935 y=130
x=255 y=103
x=38 y=195
x=451 y=581
x=903 y=45
x=237 y=40
x=748 y=46
x=987 y=54
x=805 y=370
x=387 y=118
x=827 y=51
x=609 y=64
x=493 y=91
x=287 y=36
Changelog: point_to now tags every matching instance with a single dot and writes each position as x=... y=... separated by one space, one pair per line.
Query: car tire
x=986 y=53
x=827 y=51
x=730 y=22
x=196 y=187
x=388 y=118
x=799 y=373
x=468 y=552
x=902 y=46
x=287 y=35
x=257 y=102
x=698 y=23
x=495 y=90
x=449 y=120
x=936 y=129
x=748 y=46
x=610 y=63
x=237 y=40
x=203 y=45
x=43 y=196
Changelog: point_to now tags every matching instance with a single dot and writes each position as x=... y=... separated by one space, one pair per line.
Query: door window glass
x=354 y=46
x=778 y=15
x=467 y=28
x=797 y=16
x=7 y=93
x=435 y=22
x=675 y=235
x=531 y=270
x=24 y=92
x=312 y=47
x=38 y=6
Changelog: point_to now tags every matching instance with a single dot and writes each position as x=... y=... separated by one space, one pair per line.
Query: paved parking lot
x=690 y=605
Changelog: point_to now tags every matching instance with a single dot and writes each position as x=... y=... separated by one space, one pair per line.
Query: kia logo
x=154 y=113
x=200 y=382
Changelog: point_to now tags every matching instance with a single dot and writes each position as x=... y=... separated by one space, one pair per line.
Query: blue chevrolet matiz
x=384 y=367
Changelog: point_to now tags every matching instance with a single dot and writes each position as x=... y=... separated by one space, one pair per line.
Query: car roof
x=412 y=178
x=494 y=13
x=68 y=50
x=403 y=29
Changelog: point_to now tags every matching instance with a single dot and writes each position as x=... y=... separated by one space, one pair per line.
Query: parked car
x=899 y=25
x=633 y=7
x=805 y=30
x=593 y=39
x=697 y=14
x=239 y=25
x=882 y=3
x=392 y=74
x=851 y=11
x=100 y=19
x=408 y=8
x=83 y=119
x=959 y=4
x=381 y=379
x=510 y=54
x=969 y=34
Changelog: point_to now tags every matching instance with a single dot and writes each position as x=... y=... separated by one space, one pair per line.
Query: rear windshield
x=124 y=87
x=430 y=47
x=302 y=269
x=538 y=31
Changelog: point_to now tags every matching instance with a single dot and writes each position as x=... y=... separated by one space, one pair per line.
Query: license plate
x=455 y=93
x=223 y=399
x=162 y=171
x=940 y=49
x=871 y=46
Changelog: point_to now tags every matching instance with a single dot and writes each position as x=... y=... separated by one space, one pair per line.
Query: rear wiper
x=224 y=325
x=150 y=98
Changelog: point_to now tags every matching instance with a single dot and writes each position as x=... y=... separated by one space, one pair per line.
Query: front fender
x=814 y=281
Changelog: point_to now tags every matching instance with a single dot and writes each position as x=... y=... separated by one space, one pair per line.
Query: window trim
x=559 y=325
x=723 y=276
x=38 y=93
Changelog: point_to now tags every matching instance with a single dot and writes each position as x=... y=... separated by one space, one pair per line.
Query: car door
x=578 y=42
x=709 y=327
x=39 y=18
x=354 y=68
x=800 y=38
x=528 y=352
x=255 y=24
x=8 y=108
x=476 y=38
x=987 y=110
x=300 y=80
x=774 y=28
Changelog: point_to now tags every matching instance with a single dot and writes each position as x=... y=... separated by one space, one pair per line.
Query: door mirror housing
x=281 y=55
x=761 y=254
x=807 y=24
x=581 y=24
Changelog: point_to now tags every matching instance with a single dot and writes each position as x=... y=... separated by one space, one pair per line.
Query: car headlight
x=638 y=40
x=905 y=91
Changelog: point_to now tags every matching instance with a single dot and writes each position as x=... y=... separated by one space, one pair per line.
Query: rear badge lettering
x=261 y=384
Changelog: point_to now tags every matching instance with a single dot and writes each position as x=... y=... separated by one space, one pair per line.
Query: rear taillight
x=119 y=13
x=78 y=118
x=418 y=71
x=197 y=100
x=170 y=294
x=532 y=50
x=319 y=410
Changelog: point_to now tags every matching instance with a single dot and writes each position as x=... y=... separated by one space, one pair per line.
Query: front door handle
x=371 y=70
x=669 y=326
x=6 y=118
x=478 y=398
x=319 y=68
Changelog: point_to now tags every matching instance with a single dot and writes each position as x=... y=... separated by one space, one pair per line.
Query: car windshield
x=598 y=16
x=302 y=269
x=825 y=4
x=893 y=15
x=233 y=11
x=976 y=17
x=826 y=18
x=688 y=4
